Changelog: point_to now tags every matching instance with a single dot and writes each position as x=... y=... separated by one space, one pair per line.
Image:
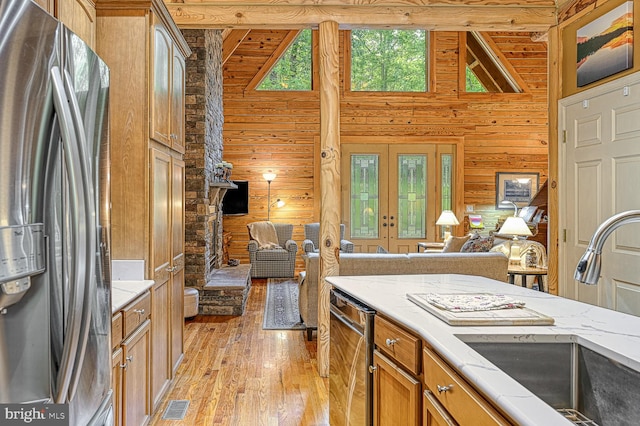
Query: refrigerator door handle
x=78 y=236
x=90 y=217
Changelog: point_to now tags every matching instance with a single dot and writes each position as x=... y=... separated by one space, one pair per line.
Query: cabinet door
x=117 y=368
x=161 y=89
x=160 y=339
x=177 y=101
x=135 y=395
x=177 y=262
x=433 y=413
x=396 y=395
x=160 y=215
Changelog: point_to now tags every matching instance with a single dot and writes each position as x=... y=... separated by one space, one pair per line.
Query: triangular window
x=292 y=70
x=486 y=69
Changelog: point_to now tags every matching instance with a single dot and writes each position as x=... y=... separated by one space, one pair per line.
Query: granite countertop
x=124 y=292
x=611 y=333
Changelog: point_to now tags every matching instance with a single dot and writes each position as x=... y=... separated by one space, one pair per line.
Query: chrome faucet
x=588 y=269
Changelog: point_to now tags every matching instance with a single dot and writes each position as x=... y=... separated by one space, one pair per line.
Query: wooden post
x=554 y=90
x=329 y=180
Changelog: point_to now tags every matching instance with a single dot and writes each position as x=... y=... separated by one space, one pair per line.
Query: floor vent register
x=176 y=410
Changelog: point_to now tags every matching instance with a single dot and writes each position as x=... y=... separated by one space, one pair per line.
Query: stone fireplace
x=203 y=137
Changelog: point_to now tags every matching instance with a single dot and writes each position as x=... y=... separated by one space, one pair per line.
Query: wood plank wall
x=275 y=131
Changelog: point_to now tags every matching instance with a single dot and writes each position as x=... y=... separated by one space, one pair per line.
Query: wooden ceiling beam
x=528 y=16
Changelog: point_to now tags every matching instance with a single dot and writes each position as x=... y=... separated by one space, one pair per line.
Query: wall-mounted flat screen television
x=236 y=201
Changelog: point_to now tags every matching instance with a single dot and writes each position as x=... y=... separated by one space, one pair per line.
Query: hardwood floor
x=236 y=373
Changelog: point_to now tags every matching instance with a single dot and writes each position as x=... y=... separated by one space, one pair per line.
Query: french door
x=392 y=193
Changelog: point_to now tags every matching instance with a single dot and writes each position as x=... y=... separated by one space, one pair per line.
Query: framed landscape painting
x=605 y=45
x=519 y=188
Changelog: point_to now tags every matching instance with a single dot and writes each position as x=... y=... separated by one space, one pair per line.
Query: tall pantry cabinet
x=146 y=54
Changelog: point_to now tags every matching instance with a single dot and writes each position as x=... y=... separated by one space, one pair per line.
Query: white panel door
x=600 y=177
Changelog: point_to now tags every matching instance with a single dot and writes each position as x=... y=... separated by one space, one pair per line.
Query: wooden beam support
x=329 y=62
x=476 y=17
x=231 y=42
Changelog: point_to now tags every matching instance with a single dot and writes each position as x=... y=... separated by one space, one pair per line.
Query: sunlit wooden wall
x=267 y=131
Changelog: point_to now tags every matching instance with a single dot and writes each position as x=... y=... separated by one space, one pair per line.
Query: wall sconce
x=269 y=177
x=447 y=218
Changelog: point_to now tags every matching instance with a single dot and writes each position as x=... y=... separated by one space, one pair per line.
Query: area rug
x=281 y=305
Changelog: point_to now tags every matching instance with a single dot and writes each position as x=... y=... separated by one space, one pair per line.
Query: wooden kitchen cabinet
x=396 y=394
x=131 y=359
x=80 y=17
x=145 y=52
x=454 y=396
x=167 y=102
x=396 y=378
x=136 y=350
x=167 y=231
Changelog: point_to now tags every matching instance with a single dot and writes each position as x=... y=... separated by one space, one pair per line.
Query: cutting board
x=517 y=316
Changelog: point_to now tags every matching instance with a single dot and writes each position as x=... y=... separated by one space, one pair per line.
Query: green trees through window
x=293 y=69
x=388 y=60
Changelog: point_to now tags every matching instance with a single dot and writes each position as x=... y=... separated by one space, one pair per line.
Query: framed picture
x=527 y=213
x=605 y=45
x=519 y=188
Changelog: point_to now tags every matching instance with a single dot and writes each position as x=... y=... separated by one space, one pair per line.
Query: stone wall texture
x=203 y=138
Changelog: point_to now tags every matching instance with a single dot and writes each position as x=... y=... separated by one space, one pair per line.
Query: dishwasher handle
x=346 y=320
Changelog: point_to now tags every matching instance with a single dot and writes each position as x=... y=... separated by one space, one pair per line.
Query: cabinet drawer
x=460 y=400
x=116 y=330
x=397 y=343
x=136 y=313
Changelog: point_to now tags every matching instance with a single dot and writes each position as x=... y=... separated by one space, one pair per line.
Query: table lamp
x=447 y=218
x=515 y=226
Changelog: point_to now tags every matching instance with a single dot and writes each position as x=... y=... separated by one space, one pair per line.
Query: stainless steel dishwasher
x=350 y=355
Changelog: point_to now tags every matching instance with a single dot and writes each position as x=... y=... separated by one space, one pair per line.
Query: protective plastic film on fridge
x=55 y=284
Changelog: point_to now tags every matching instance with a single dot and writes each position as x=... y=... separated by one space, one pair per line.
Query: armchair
x=311 y=241
x=277 y=262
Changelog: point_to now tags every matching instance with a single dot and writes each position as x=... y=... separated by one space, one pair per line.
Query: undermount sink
x=584 y=385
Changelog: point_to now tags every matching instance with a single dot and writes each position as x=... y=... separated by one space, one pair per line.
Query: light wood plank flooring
x=236 y=373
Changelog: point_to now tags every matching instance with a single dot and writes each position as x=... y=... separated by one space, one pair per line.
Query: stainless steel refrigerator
x=55 y=285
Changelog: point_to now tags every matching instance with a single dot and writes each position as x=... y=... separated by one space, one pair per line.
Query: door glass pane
x=412 y=196
x=446 y=161
x=365 y=195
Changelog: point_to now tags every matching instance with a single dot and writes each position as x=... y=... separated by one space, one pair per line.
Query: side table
x=430 y=247
x=538 y=273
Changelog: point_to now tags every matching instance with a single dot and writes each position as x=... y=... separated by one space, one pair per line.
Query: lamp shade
x=447 y=218
x=515 y=226
x=269 y=176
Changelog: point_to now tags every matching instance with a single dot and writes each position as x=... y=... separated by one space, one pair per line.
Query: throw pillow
x=477 y=245
x=454 y=244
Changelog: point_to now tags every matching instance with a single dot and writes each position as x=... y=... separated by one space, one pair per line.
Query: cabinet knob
x=171 y=268
x=140 y=312
x=372 y=369
x=124 y=366
x=391 y=342
x=444 y=388
x=129 y=358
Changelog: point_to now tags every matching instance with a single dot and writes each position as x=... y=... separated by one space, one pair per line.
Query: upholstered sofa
x=491 y=265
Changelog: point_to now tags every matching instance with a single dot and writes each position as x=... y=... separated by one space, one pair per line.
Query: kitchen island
x=612 y=334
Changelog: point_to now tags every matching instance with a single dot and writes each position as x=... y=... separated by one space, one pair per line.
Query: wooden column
x=329 y=180
x=554 y=90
